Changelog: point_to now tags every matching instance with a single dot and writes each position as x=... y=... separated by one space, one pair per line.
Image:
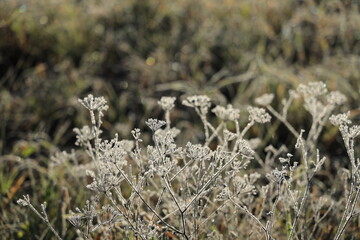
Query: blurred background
x=132 y=52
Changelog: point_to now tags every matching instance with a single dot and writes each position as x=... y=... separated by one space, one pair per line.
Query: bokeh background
x=132 y=52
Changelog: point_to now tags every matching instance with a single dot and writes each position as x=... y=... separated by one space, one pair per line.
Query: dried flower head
x=136 y=134
x=258 y=115
x=340 y=119
x=229 y=136
x=155 y=124
x=265 y=99
x=83 y=135
x=245 y=149
x=167 y=103
x=223 y=195
x=112 y=151
x=197 y=151
x=199 y=101
x=76 y=220
x=312 y=89
x=94 y=103
x=336 y=98
x=22 y=202
x=354 y=131
x=63 y=157
x=277 y=176
x=228 y=113
x=173 y=132
x=244 y=185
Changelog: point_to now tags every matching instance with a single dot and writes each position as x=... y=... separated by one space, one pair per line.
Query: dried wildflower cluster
x=165 y=191
x=228 y=114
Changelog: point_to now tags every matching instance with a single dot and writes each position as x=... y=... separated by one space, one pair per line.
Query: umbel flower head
x=167 y=103
x=265 y=99
x=154 y=124
x=244 y=148
x=277 y=176
x=336 y=98
x=25 y=201
x=94 y=103
x=258 y=115
x=83 y=135
x=197 y=151
x=228 y=113
x=223 y=195
x=200 y=101
x=312 y=89
x=340 y=119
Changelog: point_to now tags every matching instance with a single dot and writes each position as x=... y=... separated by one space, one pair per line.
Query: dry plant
x=203 y=192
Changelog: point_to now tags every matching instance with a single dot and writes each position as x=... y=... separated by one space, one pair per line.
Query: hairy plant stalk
x=283 y=120
x=146 y=203
x=205 y=124
x=354 y=185
x=348 y=212
x=125 y=216
x=246 y=129
x=320 y=220
x=215 y=134
x=270 y=224
x=253 y=217
x=298 y=213
x=25 y=201
x=210 y=181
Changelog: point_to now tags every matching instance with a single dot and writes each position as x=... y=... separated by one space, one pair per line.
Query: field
x=246 y=112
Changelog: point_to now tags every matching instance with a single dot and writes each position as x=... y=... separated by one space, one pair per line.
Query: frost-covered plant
x=166 y=191
x=349 y=133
